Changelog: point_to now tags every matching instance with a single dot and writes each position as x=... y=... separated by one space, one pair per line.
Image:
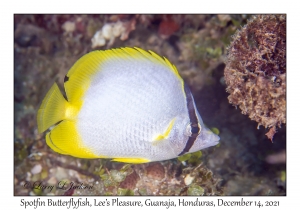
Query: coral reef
x=155 y=171
x=165 y=179
x=167 y=27
x=112 y=30
x=103 y=177
x=255 y=71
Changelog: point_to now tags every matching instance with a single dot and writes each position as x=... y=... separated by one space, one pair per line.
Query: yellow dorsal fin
x=131 y=160
x=166 y=133
x=162 y=60
x=80 y=75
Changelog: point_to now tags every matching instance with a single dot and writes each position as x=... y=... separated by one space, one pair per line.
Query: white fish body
x=132 y=106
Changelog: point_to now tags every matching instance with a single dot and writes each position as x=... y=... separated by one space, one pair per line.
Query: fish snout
x=208 y=138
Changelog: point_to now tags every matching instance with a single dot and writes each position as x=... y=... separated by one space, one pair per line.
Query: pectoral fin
x=166 y=133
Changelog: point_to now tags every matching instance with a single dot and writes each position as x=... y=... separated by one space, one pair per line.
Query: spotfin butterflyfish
x=126 y=104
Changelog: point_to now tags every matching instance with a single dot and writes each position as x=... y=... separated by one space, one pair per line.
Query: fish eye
x=193 y=130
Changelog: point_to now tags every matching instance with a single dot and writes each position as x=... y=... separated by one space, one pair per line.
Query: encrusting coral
x=255 y=71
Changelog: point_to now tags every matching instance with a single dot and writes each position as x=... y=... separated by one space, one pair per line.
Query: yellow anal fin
x=52 y=109
x=166 y=133
x=65 y=139
x=131 y=160
x=52 y=146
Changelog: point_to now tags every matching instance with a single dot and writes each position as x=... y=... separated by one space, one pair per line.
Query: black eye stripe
x=193 y=120
x=195 y=129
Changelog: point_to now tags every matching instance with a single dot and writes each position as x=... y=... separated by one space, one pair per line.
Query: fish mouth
x=209 y=138
x=215 y=138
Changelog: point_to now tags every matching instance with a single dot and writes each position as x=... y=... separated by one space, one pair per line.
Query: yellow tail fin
x=52 y=109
